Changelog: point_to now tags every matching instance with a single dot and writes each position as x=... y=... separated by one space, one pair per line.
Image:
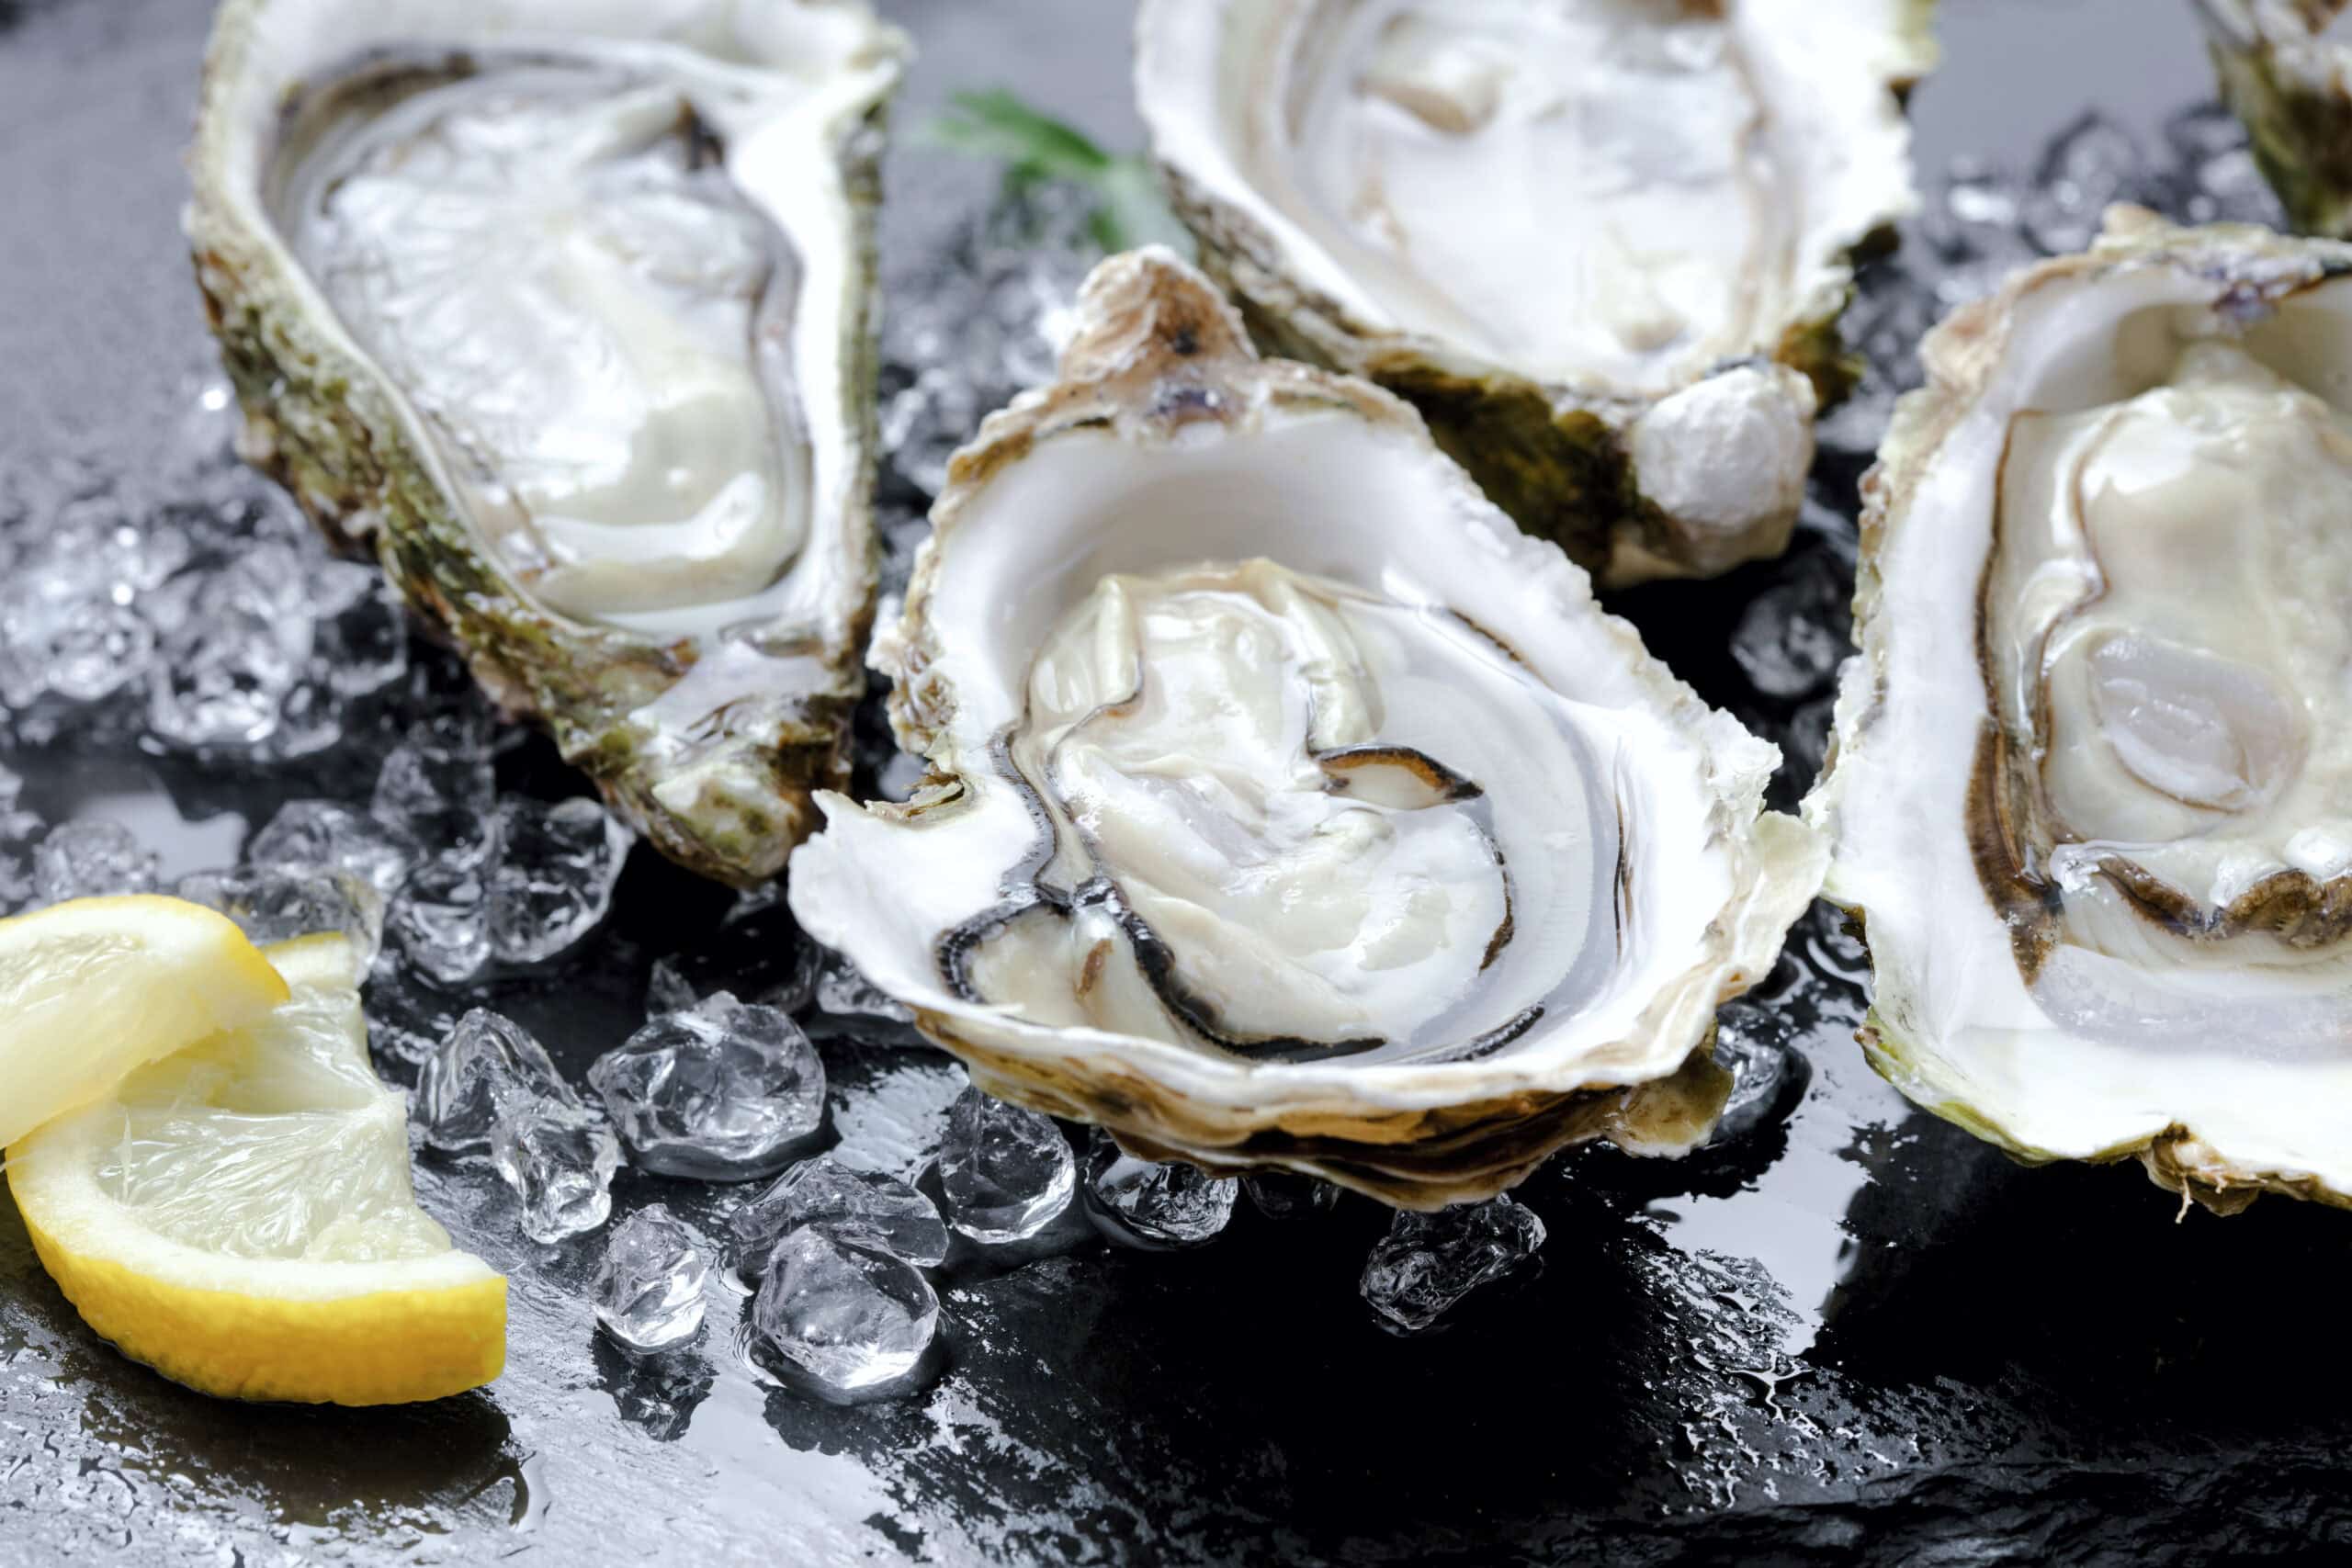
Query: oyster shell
x=1288 y=808
x=1602 y=245
x=563 y=312
x=2091 y=785
x=2286 y=70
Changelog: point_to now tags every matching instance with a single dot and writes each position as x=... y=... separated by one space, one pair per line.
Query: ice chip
x=85 y=860
x=361 y=643
x=843 y=991
x=848 y=1317
x=560 y=1159
x=2089 y=167
x=721 y=1091
x=552 y=880
x=1171 y=1204
x=488 y=1065
x=441 y=919
x=441 y=797
x=1007 y=1172
x=273 y=905
x=1791 y=637
x=862 y=1207
x=666 y=991
x=1428 y=1262
x=223 y=675
x=648 y=1290
x=323 y=834
x=1286 y=1195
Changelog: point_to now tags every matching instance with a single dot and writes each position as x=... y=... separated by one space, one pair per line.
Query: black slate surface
x=1851 y=1333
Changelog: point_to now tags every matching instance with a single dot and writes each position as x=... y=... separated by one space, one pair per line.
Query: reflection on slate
x=1841 y=1329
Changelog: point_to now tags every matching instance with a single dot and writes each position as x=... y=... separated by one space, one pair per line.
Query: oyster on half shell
x=2091 y=786
x=1288 y=808
x=563 y=311
x=1601 y=245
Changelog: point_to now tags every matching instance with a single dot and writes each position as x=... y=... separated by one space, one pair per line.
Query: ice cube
x=361 y=645
x=1286 y=1195
x=552 y=879
x=1171 y=1204
x=321 y=833
x=843 y=991
x=223 y=675
x=72 y=624
x=666 y=991
x=721 y=1091
x=84 y=860
x=487 y=1065
x=2089 y=166
x=272 y=905
x=648 y=1290
x=441 y=919
x=560 y=1159
x=848 y=1317
x=16 y=874
x=1428 y=1262
x=986 y=324
x=1791 y=637
x=440 y=796
x=1007 y=1172
x=865 y=1207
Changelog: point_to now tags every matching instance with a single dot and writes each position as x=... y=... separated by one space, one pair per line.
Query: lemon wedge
x=93 y=988
x=239 y=1215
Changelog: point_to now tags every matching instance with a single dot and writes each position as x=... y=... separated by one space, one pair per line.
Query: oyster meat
x=2286 y=69
x=564 y=312
x=1602 y=244
x=2091 y=789
x=1286 y=807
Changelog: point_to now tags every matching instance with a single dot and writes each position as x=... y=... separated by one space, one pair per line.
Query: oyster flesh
x=563 y=311
x=1602 y=244
x=2286 y=70
x=2091 y=786
x=1286 y=807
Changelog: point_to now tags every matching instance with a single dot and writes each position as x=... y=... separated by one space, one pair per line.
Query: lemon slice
x=91 y=989
x=239 y=1215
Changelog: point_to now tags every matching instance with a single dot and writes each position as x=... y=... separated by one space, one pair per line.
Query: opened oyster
x=2091 y=790
x=1288 y=808
x=2286 y=69
x=1601 y=245
x=563 y=312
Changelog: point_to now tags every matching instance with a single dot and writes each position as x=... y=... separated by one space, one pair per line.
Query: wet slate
x=1846 y=1332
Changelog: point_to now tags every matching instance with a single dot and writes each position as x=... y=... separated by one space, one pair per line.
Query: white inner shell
x=1579 y=192
x=1587 y=761
x=2166 y=617
x=592 y=322
x=1343 y=822
x=1615 y=194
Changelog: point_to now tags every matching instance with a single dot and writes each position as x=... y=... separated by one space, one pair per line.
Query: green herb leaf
x=1129 y=210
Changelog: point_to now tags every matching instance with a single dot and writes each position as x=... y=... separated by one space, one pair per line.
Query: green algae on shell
x=564 y=314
